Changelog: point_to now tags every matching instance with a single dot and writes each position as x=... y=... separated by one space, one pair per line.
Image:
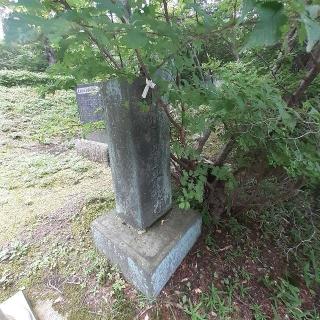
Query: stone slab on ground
x=92 y=150
x=44 y=311
x=16 y=307
x=148 y=259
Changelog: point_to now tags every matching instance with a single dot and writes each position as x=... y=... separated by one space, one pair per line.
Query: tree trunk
x=49 y=51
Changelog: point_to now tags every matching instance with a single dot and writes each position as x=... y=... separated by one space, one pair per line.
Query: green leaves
x=134 y=39
x=271 y=19
x=115 y=7
x=192 y=183
x=313 y=31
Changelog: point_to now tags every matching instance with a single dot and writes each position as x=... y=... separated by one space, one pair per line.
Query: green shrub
x=29 y=57
x=11 y=78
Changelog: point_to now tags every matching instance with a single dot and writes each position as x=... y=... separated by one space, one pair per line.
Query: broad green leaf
x=134 y=39
x=313 y=31
x=314 y=11
x=267 y=30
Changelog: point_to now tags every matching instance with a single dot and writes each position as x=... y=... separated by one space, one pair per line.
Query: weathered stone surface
x=148 y=259
x=92 y=150
x=91 y=109
x=44 y=311
x=16 y=307
x=138 y=139
x=90 y=105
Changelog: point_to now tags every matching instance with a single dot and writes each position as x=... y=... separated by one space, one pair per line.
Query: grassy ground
x=251 y=266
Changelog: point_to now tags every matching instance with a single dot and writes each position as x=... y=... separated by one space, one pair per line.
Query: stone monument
x=138 y=139
x=91 y=110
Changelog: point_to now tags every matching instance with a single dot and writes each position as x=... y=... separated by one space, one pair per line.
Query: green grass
x=43 y=119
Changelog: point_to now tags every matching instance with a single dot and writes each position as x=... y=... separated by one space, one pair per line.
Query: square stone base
x=92 y=150
x=148 y=259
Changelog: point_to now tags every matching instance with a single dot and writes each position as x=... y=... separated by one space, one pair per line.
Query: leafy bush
x=11 y=78
x=266 y=125
x=26 y=57
x=48 y=118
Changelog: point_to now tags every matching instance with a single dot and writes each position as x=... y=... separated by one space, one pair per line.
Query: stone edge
x=159 y=275
x=92 y=150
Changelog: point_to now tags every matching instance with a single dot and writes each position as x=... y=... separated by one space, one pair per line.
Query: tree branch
x=142 y=64
x=272 y=72
x=290 y=40
x=186 y=165
x=166 y=13
x=224 y=152
x=118 y=49
x=296 y=97
x=177 y=125
x=203 y=139
x=165 y=60
x=64 y=3
x=105 y=53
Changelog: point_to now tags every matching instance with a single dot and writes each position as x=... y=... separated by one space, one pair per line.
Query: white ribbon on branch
x=149 y=84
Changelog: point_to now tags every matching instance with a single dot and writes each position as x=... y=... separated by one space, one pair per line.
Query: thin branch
x=105 y=53
x=166 y=12
x=165 y=60
x=197 y=18
x=181 y=162
x=203 y=139
x=142 y=64
x=224 y=152
x=118 y=49
x=165 y=108
x=296 y=97
x=197 y=62
x=272 y=72
x=64 y=3
x=290 y=40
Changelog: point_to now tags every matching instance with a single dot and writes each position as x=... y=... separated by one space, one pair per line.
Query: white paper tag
x=149 y=84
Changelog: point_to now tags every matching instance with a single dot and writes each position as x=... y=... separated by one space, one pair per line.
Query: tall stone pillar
x=138 y=139
x=138 y=134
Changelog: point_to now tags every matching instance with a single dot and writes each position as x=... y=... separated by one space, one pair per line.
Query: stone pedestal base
x=148 y=259
x=92 y=150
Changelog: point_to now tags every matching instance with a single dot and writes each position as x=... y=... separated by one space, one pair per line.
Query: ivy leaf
x=134 y=39
x=313 y=31
x=267 y=30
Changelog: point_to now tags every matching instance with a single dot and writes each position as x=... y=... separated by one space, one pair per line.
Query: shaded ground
x=49 y=196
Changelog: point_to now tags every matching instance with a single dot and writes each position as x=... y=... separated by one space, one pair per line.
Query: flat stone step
x=92 y=150
x=148 y=259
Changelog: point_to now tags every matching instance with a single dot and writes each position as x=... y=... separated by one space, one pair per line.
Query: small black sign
x=90 y=102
